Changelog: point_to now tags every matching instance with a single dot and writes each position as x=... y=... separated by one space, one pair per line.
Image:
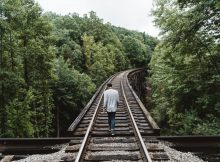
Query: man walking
x=111 y=101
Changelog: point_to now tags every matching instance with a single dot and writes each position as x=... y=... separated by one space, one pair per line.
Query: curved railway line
x=136 y=133
x=131 y=123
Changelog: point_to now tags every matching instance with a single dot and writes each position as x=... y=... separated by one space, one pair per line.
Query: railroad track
x=137 y=135
x=132 y=122
x=19 y=148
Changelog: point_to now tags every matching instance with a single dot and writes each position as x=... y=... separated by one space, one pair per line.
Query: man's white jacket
x=111 y=100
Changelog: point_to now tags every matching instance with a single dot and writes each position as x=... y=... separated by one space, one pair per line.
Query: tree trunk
x=58 y=119
x=2 y=102
x=12 y=52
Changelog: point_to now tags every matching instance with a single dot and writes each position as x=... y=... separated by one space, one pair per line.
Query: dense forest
x=185 y=68
x=50 y=65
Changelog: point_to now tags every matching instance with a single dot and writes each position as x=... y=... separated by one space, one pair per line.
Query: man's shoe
x=112 y=132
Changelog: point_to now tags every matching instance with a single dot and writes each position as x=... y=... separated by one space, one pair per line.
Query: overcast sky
x=130 y=14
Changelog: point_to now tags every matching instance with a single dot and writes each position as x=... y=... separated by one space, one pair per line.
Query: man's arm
x=117 y=99
x=105 y=101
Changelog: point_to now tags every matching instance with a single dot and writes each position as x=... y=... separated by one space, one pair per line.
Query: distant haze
x=130 y=14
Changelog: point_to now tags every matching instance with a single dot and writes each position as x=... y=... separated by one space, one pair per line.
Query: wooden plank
x=86 y=108
x=7 y=158
x=111 y=155
x=147 y=114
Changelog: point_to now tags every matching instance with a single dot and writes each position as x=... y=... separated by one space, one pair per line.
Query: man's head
x=109 y=85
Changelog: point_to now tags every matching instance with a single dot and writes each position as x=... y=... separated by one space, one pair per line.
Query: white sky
x=130 y=14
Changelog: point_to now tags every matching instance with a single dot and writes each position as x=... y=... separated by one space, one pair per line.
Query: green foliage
x=185 y=67
x=10 y=85
x=88 y=42
x=19 y=114
x=103 y=63
x=26 y=68
x=138 y=47
x=51 y=64
x=71 y=92
x=137 y=52
x=96 y=48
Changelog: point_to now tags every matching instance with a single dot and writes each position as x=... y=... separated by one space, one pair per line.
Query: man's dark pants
x=111 y=120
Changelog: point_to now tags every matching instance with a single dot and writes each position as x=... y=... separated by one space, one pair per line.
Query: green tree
x=19 y=114
x=88 y=42
x=25 y=61
x=136 y=51
x=71 y=91
x=102 y=64
x=185 y=67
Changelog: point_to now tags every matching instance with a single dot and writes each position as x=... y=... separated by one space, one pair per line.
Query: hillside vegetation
x=185 y=68
x=50 y=65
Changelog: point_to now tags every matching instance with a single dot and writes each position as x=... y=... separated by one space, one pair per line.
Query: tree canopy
x=185 y=74
x=50 y=65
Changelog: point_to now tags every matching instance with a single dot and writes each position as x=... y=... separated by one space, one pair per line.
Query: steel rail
x=86 y=108
x=87 y=132
x=79 y=155
x=147 y=114
x=146 y=153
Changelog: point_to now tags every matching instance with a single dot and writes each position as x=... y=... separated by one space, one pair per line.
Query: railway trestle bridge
x=137 y=136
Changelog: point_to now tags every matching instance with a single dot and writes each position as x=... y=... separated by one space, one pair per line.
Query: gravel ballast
x=174 y=155
x=178 y=156
x=48 y=157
